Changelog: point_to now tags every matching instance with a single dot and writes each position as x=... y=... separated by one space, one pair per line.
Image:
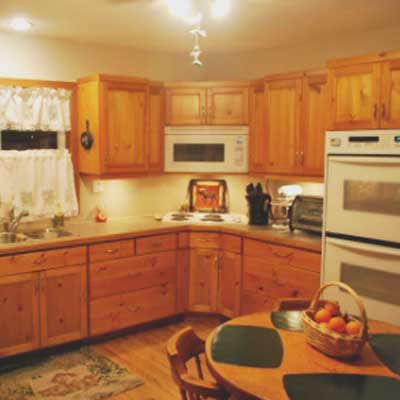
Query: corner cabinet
x=365 y=92
x=207 y=103
x=124 y=117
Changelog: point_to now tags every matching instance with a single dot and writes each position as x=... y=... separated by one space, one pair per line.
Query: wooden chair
x=291 y=304
x=182 y=347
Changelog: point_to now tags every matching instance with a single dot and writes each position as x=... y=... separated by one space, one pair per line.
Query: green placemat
x=288 y=320
x=387 y=348
x=341 y=387
x=248 y=346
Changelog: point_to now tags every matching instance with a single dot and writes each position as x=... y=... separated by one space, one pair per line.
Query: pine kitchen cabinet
x=271 y=272
x=365 y=92
x=215 y=273
x=288 y=120
x=45 y=303
x=207 y=103
x=125 y=118
x=133 y=286
x=257 y=136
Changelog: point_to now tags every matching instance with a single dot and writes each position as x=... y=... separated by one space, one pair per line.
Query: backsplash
x=148 y=196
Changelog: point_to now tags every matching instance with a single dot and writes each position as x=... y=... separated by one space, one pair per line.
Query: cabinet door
x=183 y=280
x=125 y=125
x=354 y=97
x=228 y=106
x=390 y=107
x=19 y=314
x=258 y=138
x=156 y=129
x=283 y=100
x=314 y=124
x=203 y=280
x=229 y=284
x=186 y=106
x=63 y=305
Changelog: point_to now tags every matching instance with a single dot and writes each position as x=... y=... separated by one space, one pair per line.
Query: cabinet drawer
x=253 y=302
x=205 y=240
x=37 y=261
x=231 y=243
x=283 y=255
x=268 y=278
x=112 y=250
x=122 y=311
x=157 y=243
x=125 y=275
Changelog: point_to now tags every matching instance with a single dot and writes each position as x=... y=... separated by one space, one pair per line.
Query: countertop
x=90 y=232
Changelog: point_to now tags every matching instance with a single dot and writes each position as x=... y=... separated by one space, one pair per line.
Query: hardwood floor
x=143 y=353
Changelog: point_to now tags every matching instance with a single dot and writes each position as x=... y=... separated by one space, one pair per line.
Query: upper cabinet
x=283 y=107
x=207 y=103
x=156 y=128
x=124 y=117
x=314 y=121
x=288 y=120
x=257 y=137
x=365 y=92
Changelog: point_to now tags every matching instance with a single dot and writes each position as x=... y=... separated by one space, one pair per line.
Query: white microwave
x=207 y=149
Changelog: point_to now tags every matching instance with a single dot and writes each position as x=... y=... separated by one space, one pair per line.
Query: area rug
x=80 y=374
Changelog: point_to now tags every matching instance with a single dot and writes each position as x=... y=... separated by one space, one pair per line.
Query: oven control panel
x=363 y=142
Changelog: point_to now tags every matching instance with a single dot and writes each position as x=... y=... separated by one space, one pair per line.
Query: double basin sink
x=41 y=234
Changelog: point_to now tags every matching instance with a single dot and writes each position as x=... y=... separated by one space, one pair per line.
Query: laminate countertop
x=84 y=233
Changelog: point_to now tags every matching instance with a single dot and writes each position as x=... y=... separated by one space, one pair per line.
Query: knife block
x=259 y=209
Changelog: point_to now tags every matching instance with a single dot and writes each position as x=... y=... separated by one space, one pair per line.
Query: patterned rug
x=75 y=375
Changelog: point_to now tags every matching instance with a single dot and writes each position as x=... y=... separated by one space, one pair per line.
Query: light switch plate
x=98 y=186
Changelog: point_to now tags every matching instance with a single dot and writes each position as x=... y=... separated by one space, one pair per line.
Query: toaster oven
x=306 y=214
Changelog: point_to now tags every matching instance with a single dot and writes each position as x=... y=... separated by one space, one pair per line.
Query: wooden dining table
x=298 y=358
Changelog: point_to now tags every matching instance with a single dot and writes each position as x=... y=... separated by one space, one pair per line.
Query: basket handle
x=353 y=294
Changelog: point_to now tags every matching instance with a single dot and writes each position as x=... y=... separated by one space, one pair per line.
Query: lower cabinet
x=128 y=291
x=271 y=272
x=203 y=280
x=42 y=309
x=214 y=281
x=63 y=305
x=19 y=314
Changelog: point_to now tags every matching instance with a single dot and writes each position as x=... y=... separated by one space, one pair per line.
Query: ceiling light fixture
x=186 y=11
x=20 y=24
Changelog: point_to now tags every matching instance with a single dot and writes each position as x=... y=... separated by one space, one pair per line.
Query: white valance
x=35 y=109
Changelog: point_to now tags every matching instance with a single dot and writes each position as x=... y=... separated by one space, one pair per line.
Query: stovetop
x=207 y=218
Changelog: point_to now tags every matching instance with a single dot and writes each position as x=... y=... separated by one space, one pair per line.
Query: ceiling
x=252 y=24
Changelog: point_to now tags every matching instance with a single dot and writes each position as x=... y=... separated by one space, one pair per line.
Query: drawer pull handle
x=133 y=309
x=112 y=251
x=135 y=274
x=40 y=261
x=282 y=255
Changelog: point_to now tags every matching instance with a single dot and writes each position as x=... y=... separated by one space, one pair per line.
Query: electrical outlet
x=98 y=186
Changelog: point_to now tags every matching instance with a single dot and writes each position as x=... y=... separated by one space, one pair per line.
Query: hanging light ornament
x=184 y=10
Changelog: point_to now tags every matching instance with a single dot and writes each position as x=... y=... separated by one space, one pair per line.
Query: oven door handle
x=366 y=160
x=364 y=248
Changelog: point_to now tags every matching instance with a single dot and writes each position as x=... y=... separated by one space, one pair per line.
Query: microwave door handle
x=366 y=160
x=365 y=248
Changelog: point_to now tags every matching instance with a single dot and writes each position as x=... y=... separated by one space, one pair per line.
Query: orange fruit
x=323 y=325
x=322 y=315
x=333 y=307
x=353 y=328
x=337 y=324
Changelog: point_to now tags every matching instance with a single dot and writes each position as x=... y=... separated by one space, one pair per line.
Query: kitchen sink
x=48 y=233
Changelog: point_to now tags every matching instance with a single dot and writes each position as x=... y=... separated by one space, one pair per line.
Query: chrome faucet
x=13 y=221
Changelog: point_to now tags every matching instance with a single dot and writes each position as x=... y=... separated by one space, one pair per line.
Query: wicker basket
x=331 y=343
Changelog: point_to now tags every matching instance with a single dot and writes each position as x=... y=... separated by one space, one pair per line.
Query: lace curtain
x=35 y=109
